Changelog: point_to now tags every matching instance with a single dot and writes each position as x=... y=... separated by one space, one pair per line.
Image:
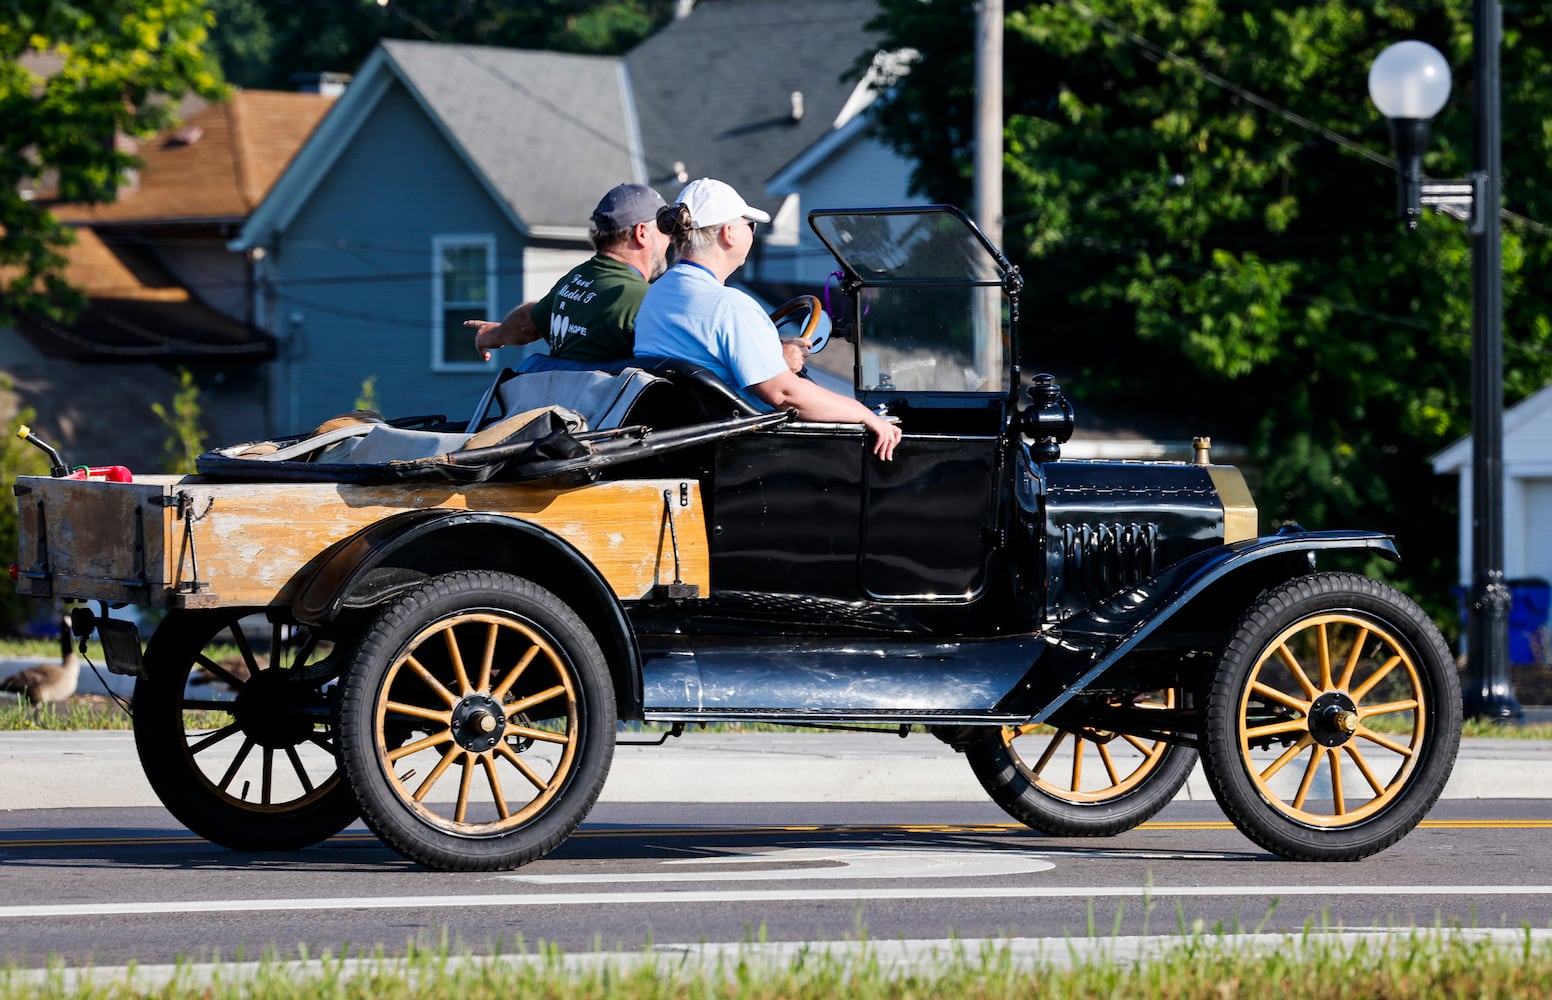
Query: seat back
x=604 y=399
x=708 y=396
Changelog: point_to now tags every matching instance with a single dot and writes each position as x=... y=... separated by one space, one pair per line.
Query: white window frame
x=439 y=247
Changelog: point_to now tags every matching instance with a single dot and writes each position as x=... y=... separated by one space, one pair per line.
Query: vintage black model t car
x=453 y=617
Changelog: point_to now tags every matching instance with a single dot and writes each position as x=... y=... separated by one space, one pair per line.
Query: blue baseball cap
x=626 y=205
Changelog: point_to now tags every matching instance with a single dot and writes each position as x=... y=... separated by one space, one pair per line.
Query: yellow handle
x=24 y=432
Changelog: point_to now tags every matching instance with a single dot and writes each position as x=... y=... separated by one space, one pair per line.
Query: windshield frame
x=1005 y=269
x=1002 y=274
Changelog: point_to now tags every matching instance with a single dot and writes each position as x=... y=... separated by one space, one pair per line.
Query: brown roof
x=218 y=164
x=118 y=273
x=136 y=309
x=135 y=329
x=214 y=168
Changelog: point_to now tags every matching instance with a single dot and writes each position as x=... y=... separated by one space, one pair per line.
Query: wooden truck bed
x=190 y=542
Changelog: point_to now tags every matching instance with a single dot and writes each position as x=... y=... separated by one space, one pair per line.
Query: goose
x=49 y=681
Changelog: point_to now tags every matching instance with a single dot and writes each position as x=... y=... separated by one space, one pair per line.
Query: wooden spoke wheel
x=477 y=722
x=233 y=729
x=1081 y=782
x=1332 y=724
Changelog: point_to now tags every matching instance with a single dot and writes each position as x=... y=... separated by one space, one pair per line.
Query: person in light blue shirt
x=695 y=317
x=691 y=314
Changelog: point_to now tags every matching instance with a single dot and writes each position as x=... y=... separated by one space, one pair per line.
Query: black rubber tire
x=190 y=772
x=1019 y=786
x=1334 y=612
x=389 y=707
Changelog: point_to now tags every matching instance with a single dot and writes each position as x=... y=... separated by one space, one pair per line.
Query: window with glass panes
x=463 y=288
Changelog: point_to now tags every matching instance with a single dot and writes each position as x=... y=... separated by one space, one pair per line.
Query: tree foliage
x=73 y=78
x=1206 y=238
x=267 y=45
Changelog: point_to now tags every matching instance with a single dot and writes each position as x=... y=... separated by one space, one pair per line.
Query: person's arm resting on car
x=814 y=402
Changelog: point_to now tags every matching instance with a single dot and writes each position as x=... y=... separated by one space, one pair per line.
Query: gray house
x=450 y=182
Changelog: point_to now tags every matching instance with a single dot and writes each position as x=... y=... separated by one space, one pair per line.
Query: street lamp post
x=1409 y=82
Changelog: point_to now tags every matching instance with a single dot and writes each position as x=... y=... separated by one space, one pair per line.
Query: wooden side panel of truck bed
x=149 y=541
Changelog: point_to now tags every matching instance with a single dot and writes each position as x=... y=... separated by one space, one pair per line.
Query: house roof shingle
x=550 y=131
x=715 y=88
x=216 y=166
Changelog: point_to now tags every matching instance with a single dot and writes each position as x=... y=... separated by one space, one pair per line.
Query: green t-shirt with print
x=590 y=314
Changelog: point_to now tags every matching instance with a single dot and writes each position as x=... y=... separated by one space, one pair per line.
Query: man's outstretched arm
x=516 y=329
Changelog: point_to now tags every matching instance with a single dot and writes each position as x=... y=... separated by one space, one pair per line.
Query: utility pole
x=988 y=118
x=1488 y=691
x=988 y=172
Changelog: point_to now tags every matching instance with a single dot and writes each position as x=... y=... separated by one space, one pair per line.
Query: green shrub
x=186 y=438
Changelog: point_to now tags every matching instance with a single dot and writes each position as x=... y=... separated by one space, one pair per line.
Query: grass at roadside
x=43 y=647
x=1423 y=965
x=76 y=714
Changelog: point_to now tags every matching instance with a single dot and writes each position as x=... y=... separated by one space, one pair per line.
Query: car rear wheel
x=1333 y=721
x=1081 y=782
x=233 y=728
x=476 y=722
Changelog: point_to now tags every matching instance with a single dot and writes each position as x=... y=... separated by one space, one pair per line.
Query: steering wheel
x=813 y=327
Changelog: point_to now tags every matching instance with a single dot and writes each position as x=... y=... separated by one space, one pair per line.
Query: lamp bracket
x=1458 y=199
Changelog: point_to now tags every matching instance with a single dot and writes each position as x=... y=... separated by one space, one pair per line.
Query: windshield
x=933 y=243
x=927 y=310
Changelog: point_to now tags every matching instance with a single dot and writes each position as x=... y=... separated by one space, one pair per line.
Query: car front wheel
x=1332 y=723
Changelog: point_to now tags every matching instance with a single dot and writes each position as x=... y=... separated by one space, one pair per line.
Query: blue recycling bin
x=1530 y=598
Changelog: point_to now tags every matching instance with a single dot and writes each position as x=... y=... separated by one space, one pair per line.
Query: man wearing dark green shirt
x=589 y=316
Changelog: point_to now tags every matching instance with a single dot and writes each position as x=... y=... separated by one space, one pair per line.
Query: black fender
x=1083 y=647
x=398 y=552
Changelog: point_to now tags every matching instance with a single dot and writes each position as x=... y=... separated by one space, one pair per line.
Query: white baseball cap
x=712 y=203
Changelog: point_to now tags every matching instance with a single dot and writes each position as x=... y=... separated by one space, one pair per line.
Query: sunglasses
x=752 y=225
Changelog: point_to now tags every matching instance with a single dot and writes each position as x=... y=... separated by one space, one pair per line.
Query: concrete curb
x=56 y=770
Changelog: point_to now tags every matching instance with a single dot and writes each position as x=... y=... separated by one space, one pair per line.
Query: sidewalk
x=43 y=770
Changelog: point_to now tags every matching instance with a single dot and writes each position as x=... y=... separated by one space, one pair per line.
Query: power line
x=333 y=310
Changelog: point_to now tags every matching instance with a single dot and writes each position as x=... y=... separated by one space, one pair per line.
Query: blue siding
x=355 y=271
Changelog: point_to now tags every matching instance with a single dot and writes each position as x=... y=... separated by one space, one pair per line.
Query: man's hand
x=486 y=336
x=517 y=329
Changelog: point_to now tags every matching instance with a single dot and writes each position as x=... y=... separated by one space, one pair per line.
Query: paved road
x=109 y=885
x=796 y=836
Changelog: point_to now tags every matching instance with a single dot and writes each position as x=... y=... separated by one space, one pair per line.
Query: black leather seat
x=703 y=393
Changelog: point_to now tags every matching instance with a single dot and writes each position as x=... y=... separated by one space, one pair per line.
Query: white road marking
x=843 y=862
x=796 y=893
